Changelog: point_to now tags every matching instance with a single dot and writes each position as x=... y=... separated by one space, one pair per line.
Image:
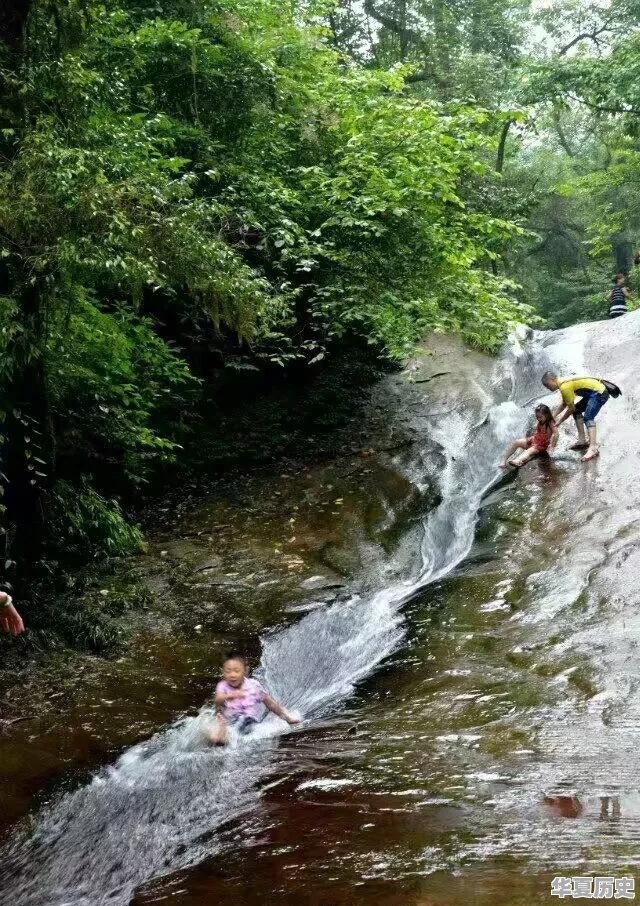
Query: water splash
x=160 y=807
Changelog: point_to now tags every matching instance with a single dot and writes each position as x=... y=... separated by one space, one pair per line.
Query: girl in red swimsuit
x=540 y=442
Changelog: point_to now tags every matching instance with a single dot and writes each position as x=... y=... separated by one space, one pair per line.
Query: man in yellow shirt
x=582 y=397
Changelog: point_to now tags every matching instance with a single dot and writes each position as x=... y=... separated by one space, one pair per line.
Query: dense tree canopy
x=177 y=174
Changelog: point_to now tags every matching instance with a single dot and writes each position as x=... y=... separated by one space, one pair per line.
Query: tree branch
x=428 y=71
x=601 y=108
x=584 y=36
x=562 y=138
x=388 y=22
x=426 y=74
x=398 y=27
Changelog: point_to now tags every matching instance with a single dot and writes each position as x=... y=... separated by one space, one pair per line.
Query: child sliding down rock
x=239 y=700
x=540 y=443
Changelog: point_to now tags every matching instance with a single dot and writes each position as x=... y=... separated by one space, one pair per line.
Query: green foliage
x=85 y=610
x=114 y=384
x=81 y=520
x=197 y=196
x=459 y=49
x=161 y=152
x=188 y=182
x=592 y=103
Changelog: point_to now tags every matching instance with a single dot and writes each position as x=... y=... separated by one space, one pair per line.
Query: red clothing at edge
x=542 y=438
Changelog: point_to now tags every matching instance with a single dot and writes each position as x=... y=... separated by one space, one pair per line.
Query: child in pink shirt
x=239 y=700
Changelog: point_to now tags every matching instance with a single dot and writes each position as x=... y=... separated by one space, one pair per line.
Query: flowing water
x=471 y=724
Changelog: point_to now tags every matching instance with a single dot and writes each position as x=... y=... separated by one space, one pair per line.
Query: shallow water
x=471 y=726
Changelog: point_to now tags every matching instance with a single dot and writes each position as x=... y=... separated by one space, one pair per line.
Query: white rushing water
x=160 y=807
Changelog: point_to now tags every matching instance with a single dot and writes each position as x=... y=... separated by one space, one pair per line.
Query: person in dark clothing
x=618 y=296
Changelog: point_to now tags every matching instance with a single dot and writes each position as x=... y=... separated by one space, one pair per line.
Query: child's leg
x=524 y=457
x=520 y=444
x=219 y=735
x=245 y=724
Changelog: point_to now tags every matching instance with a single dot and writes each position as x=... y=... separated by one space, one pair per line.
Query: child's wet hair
x=236 y=656
x=546 y=411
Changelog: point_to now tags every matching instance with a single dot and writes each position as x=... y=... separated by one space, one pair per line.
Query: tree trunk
x=502 y=144
x=404 y=34
x=622 y=254
x=443 y=38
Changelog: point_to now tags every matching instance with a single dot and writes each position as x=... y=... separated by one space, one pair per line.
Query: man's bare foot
x=580 y=445
x=590 y=454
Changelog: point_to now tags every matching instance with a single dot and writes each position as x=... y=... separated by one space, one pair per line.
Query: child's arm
x=555 y=434
x=272 y=705
x=222 y=697
x=10 y=619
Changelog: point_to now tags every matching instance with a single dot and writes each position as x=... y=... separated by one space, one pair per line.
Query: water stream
x=400 y=779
